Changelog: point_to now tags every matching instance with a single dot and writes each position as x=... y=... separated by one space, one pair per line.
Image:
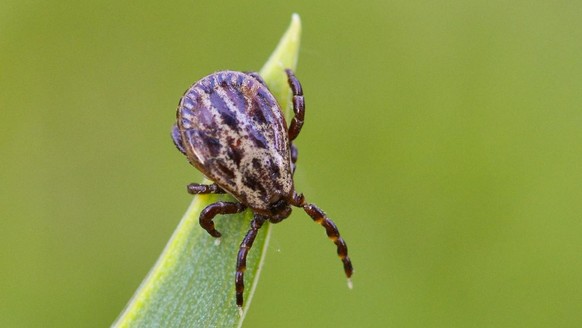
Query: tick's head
x=279 y=210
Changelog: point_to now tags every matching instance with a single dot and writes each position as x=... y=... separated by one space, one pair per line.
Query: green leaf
x=192 y=283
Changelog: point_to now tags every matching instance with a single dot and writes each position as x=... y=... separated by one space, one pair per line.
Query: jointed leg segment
x=298 y=105
x=196 y=188
x=210 y=211
x=241 y=259
x=333 y=233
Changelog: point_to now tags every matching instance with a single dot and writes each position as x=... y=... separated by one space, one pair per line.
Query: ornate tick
x=231 y=128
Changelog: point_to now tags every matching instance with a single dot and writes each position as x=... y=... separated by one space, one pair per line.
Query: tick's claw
x=350 y=284
x=217 y=241
x=240 y=311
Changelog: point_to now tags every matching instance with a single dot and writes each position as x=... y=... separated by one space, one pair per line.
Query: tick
x=231 y=128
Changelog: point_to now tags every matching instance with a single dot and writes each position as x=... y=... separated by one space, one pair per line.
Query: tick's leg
x=298 y=105
x=177 y=139
x=212 y=210
x=196 y=188
x=241 y=259
x=332 y=232
x=294 y=154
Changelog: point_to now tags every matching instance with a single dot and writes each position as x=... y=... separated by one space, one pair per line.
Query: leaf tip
x=295 y=21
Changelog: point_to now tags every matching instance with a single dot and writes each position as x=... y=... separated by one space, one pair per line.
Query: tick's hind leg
x=333 y=233
x=212 y=210
x=298 y=105
x=241 y=259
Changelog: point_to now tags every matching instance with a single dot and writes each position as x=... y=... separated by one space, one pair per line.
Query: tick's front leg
x=212 y=210
x=241 y=259
x=333 y=233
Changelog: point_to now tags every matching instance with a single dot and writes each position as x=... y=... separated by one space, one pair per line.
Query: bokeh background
x=443 y=137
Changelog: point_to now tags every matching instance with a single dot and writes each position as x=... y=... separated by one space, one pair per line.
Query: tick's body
x=232 y=129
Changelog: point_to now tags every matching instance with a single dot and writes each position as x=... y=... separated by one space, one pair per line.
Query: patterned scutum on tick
x=232 y=129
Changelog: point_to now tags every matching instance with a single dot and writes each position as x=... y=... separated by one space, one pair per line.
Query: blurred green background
x=443 y=137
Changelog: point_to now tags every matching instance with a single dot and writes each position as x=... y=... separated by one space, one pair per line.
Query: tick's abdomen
x=233 y=130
